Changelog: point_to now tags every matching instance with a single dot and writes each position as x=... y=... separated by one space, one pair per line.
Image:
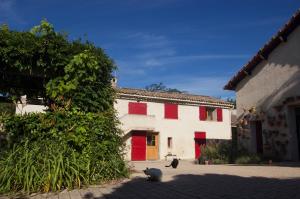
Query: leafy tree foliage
x=232 y=100
x=77 y=142
x=161 y=87
x=45 y=63
x=7 y=108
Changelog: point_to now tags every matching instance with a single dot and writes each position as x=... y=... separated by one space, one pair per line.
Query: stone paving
x=197 y=181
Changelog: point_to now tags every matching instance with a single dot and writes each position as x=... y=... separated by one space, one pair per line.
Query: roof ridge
x=190 y=98
x=168 y=92
x=262 y=54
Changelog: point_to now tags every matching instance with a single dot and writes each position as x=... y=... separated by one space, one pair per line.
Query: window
x=171 y=111
x=137 y=108
x=150 y=140
x=210 y=114
x=170 y=144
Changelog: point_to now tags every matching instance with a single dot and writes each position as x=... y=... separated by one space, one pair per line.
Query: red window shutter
x=137 y=108
x=202 y=113
x=219 y=114
x=171 y=111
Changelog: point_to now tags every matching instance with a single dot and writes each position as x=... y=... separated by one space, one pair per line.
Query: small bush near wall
x=216 y=152
x=248 y=159
x=222 y=152
x=57 y=150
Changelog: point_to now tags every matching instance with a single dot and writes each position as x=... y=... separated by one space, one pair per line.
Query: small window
x=170 y=143
x=210 y=114
x=150 y=140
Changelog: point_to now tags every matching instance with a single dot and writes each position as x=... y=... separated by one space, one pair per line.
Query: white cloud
x=211 y=86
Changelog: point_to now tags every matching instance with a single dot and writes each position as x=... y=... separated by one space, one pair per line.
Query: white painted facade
x=181 y=130
x=29 y=108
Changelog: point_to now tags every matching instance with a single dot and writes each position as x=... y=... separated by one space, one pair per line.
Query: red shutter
x=137 y=108
x=219 y=114
x=202 y=113
x=171 y=111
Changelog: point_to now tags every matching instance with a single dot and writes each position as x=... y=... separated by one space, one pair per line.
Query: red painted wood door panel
x=138 y=146
x=200 y=139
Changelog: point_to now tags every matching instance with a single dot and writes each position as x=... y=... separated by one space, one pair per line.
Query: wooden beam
x=282 y=38
x=262 y=56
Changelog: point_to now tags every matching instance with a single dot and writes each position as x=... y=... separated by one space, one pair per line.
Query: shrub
x=56 y=150
x=217 y=153
x=248 y=159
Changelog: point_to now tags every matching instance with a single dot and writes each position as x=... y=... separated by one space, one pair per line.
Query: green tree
x=44 y=63
x=161 y=87
x=232 y=100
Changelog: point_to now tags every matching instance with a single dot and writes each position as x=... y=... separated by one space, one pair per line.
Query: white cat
x=153 y=174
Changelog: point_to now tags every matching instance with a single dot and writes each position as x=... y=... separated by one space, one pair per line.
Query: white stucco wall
x=29 y=108
x=272 y=79
x=181 y=130
x=270 y=84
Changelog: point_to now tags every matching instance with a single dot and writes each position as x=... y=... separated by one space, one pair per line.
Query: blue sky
x=191 y=45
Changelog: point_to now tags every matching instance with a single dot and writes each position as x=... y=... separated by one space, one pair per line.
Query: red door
x=200 y=139
x=138 y=146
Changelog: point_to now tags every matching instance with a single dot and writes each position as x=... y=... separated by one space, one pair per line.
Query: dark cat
x=174 y=163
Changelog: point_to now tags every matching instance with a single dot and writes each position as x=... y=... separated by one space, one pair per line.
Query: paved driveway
x=199 y=181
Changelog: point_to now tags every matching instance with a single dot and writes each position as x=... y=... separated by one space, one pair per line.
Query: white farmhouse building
x=160 y=124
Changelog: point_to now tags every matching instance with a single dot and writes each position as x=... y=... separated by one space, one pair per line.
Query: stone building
x=268 y=96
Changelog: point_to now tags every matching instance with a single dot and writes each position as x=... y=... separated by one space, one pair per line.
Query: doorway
x=200 y=139
x=298 y=130
x=138 y=146
x=152 y=146
x=259 y=137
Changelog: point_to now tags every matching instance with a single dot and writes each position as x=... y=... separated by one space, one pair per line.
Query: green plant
x=44 y=63
x=248 y=159
x=7 y=108
x=62 y=149
x=215 y=152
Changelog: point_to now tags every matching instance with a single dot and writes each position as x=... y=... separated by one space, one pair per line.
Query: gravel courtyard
x=198 y=181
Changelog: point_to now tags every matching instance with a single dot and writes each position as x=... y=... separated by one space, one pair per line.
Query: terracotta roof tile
x=172 y=96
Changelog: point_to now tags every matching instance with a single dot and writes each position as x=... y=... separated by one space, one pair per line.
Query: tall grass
x=77 y=149
x=38 y=169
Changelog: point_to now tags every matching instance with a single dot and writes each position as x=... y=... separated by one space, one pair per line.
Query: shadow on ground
x=208 y=186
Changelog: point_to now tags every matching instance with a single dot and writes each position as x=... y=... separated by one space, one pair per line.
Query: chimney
x=114 y=81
